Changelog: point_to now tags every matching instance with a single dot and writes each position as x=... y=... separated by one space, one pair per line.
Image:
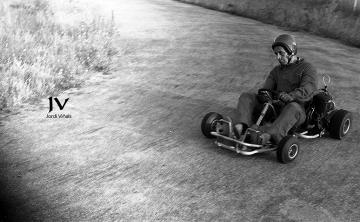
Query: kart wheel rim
x=346 y=126
x=213 y=126
x=293 y=151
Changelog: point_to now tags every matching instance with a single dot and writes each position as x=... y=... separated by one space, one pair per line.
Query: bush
x=322 y=17
x=40 y=57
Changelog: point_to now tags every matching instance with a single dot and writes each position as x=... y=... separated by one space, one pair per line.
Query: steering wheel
x=268 y=95
x=272 y=98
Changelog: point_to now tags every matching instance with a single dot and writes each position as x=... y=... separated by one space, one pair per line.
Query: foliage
x=322 y=17
x=40 y=57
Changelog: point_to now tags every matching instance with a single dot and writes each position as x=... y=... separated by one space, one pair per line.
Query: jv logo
x=61 y=106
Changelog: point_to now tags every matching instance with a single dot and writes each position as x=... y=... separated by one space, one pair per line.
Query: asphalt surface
x=133 y=150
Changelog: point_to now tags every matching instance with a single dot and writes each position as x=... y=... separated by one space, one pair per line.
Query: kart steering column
x=263 y=113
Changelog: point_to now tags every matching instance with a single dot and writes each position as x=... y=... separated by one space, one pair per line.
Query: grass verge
x=41 y=57
x=321 y=17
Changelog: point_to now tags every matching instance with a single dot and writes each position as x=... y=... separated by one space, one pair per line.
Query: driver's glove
x=283 y=96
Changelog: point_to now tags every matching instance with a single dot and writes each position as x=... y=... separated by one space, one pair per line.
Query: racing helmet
x=287 y=42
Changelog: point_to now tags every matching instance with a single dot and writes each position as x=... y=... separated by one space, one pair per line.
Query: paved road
x=133 y=149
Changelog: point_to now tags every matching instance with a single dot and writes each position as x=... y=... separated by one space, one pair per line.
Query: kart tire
x=340 y=124
x=288 y=149
x=208 y=124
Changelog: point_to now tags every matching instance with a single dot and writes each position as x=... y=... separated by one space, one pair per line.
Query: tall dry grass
x=322 y=17
x=40 y=57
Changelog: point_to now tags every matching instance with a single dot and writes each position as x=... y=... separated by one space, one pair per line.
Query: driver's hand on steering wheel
x=285 y=97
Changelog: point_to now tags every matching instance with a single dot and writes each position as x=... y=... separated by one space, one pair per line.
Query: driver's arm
x=307 y=85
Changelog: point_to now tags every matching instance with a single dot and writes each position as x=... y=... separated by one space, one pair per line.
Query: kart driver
x=296 y=81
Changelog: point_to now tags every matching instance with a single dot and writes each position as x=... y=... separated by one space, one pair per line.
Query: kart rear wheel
x=340 y=124
x=288 y=149
x=208 y=124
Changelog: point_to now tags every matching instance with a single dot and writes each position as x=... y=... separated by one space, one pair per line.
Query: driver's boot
x=238 y=130
x=264 y=138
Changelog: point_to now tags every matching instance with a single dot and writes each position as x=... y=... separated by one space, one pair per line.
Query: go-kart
x=322 y=118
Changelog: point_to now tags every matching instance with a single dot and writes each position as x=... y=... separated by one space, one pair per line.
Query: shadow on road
x=19 y=201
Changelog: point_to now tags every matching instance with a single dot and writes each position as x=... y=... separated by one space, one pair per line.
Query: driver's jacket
x=298 y=79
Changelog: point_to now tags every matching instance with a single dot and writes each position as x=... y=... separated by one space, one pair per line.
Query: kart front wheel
x=340 y=124
x=288 y=149
x=208 y=124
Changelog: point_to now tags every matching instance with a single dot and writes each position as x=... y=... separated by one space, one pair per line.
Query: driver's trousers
x=293 y=114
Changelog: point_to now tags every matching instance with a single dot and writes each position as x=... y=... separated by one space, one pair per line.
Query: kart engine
x=318 y=115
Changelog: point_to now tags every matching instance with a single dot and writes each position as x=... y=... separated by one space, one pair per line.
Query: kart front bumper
x=241 y=146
